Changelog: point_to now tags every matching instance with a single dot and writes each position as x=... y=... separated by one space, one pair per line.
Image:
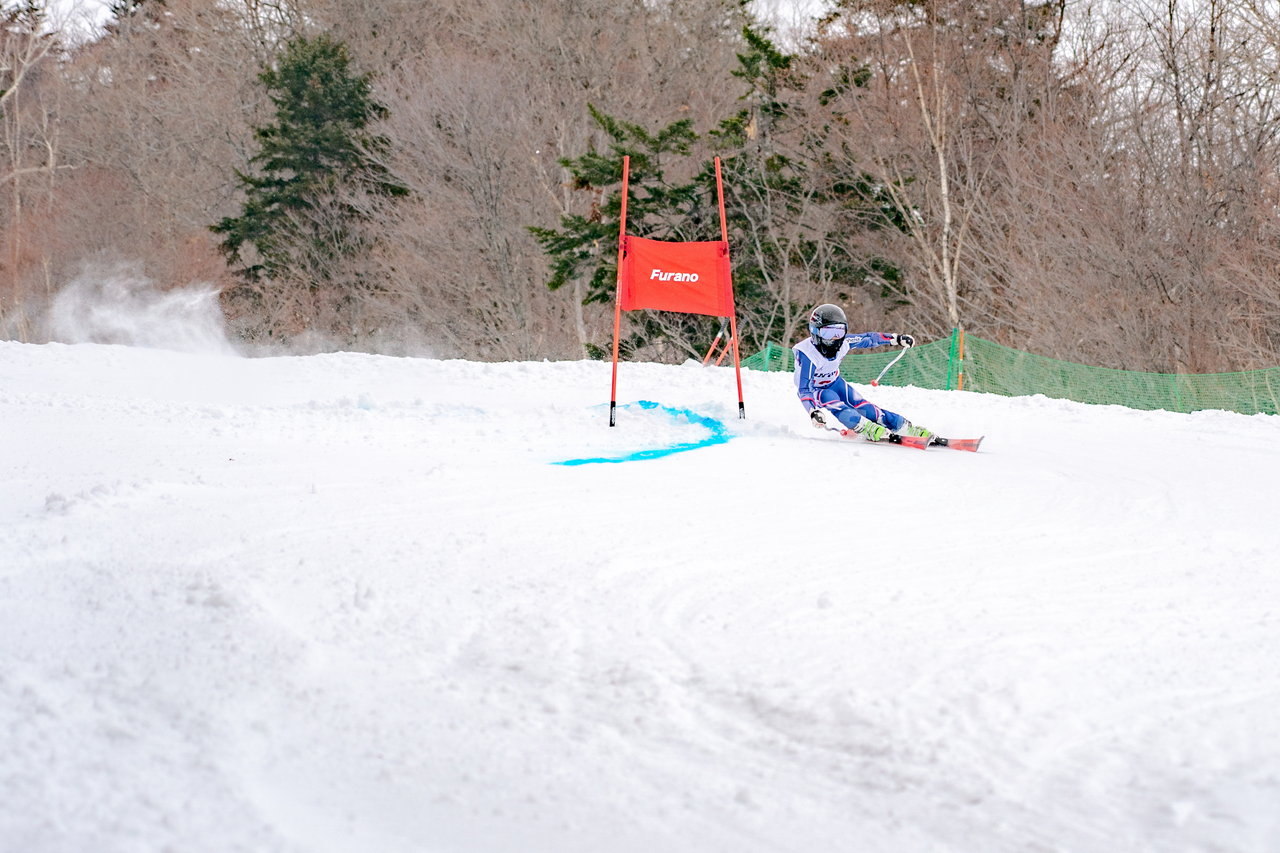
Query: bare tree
x=917 y=119
x=1082 y=191
x=1196 y=133
x=149 y=117
x=479 y=140
x=31 y=156
x=1091 y=182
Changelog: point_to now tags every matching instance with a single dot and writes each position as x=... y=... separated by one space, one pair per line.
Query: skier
x=824 y=393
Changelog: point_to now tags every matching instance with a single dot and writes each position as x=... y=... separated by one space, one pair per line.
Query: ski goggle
x=834 y=332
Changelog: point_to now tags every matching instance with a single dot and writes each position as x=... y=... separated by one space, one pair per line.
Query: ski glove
x=904 y=341
x=819 y=418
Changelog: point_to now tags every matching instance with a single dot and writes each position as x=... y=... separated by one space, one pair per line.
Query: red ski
x=918 y=442
x=970 y=444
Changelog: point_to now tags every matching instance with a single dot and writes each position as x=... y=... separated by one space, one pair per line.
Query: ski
x=970 y=444
x=915 y=441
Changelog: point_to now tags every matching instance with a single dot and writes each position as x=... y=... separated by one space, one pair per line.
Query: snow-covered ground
x=349 y=603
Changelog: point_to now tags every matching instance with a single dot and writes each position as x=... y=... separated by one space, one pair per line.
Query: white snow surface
x=347 y=603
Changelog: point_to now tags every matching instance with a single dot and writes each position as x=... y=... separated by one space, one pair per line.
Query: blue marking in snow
x=719 y=435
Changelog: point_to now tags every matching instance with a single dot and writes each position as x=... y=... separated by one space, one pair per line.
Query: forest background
x=1092 y=181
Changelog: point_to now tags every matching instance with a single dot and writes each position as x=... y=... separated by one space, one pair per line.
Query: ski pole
x=876 y=381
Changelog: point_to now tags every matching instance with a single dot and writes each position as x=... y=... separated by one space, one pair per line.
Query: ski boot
x=911 y=429
x=871 y=431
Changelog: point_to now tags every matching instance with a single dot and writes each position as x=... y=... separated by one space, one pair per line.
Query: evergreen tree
x=656 y=208
x=315 y=162
x=785 y=212
x=790 y=213
x=586 y=246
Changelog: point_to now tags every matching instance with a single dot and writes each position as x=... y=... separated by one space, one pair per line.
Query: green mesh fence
x=990 y=367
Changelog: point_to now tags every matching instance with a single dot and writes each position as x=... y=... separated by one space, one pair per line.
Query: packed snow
x=350 y=602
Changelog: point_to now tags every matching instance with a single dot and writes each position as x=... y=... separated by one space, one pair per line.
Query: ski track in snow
x=347 y=602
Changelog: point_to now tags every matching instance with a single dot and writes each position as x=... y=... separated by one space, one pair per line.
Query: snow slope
x=347 y=602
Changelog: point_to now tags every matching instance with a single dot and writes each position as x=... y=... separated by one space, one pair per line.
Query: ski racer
x=823 y=392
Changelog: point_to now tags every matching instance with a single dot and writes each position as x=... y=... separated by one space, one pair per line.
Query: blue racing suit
x=819 y=384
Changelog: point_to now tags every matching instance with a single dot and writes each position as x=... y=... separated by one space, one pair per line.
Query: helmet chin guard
x=828 y=348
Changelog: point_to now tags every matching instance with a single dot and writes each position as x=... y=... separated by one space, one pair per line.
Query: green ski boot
x=871 y=431
x=912 y=429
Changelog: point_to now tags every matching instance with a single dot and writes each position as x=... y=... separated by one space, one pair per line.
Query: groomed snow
x=347 y=603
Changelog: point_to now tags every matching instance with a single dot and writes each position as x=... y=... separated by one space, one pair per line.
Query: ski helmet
x=827 y=328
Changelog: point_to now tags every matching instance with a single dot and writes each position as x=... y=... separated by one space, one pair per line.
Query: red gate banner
x=693 y=278
x=689 y=277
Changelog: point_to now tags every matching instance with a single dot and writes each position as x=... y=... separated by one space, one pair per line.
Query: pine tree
x=782 y=209
x=315 y=161
x=585 y=246
x=791 y=211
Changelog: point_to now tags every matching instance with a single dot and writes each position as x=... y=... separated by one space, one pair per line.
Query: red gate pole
x=617 y=300
x=733 y=308
x=715 y=344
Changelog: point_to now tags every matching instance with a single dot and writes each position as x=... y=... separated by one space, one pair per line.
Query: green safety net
x=968 y=362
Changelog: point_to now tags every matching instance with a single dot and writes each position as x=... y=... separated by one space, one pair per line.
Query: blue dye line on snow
x=719 y=435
